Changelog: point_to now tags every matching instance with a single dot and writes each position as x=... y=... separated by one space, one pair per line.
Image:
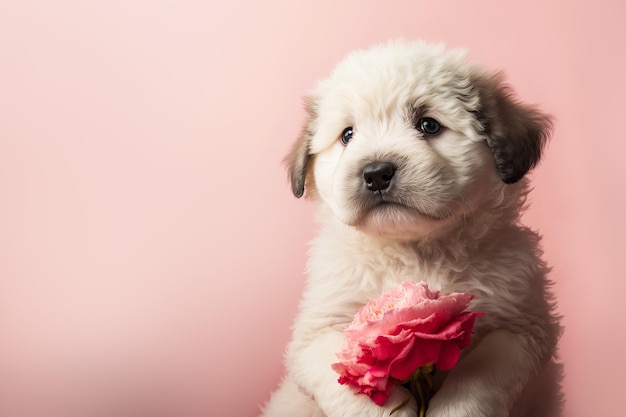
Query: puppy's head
x=406 y=138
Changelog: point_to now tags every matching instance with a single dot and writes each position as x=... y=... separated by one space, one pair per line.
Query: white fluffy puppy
x=416 y=161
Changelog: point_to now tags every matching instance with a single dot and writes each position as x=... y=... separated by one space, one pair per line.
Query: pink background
x=151 y=253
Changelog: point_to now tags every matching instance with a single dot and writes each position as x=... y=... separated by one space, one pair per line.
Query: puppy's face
x=406 y=140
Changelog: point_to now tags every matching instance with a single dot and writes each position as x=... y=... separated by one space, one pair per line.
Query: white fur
x=455 y=227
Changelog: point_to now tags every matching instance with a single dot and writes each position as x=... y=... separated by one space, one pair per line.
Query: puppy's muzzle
x=378 y=175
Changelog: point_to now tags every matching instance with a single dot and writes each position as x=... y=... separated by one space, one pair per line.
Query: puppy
x=416 y=161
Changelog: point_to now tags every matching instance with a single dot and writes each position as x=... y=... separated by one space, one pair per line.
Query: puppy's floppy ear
x=298 y=158
x=516 y=133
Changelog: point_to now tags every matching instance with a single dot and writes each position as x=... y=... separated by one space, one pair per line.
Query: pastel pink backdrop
x=151 y=254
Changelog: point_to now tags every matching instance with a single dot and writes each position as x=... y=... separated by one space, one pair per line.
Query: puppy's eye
x=429 y=126
x=346 y=135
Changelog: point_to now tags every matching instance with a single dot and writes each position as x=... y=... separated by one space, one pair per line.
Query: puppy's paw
x=465 y=406
x=400 y=395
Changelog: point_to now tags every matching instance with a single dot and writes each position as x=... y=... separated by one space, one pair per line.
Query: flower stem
x=421 y=386
x=420 y=393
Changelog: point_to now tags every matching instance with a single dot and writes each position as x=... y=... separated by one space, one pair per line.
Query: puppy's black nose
x=378 y=175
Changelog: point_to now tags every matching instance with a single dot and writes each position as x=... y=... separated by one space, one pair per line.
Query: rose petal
x=448 y=356
x=423 y=352
x=381 y=397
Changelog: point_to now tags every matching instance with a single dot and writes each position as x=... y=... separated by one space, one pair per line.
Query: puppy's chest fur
x=346 y=270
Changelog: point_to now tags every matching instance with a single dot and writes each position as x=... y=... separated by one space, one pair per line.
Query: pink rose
x=407 y=327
